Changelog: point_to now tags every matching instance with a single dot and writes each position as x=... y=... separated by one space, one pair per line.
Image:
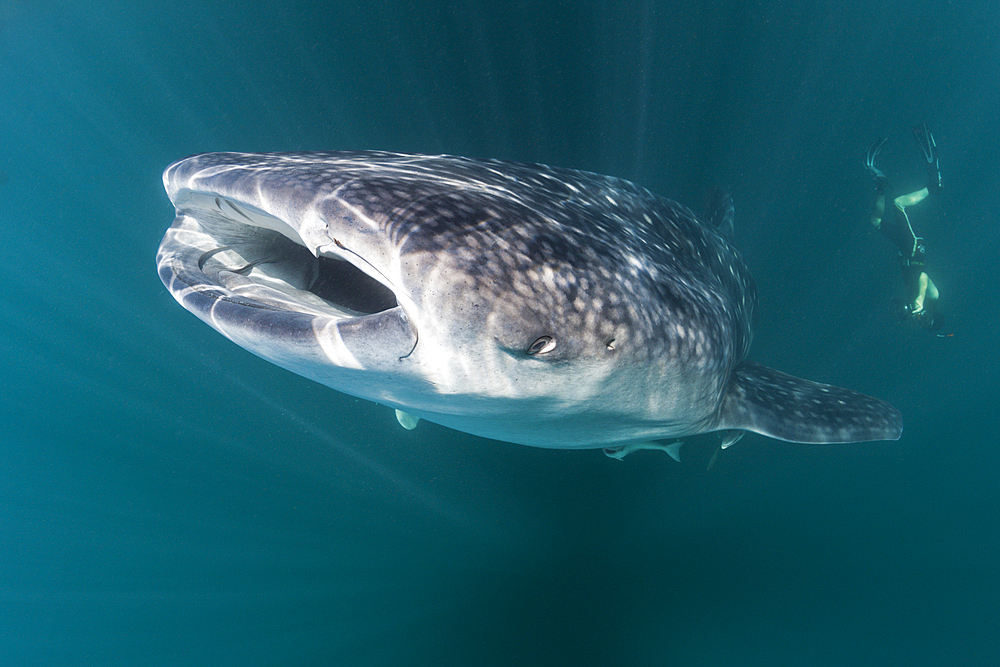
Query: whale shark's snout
x=535 y=305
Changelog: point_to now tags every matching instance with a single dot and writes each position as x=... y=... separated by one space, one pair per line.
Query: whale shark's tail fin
x=766 y=401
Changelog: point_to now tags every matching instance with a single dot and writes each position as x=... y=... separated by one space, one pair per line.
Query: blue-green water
x=168 y=499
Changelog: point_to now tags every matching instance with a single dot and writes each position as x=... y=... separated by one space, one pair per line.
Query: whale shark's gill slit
x=203 y=259
x=237 y=210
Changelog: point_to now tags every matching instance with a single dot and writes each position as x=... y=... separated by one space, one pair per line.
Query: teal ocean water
x=166 y=498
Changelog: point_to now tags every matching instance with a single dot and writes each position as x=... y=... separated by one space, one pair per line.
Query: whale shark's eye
x=542 y=345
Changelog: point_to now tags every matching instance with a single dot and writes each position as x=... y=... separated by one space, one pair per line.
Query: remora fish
x=525 y=303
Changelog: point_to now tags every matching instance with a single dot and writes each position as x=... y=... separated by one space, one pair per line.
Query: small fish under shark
x=519 y=302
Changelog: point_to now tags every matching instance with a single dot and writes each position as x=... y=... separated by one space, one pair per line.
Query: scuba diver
x=921 y=304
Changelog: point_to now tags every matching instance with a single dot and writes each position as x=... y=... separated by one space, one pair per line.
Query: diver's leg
x=878 y=210
x=878 y=207
x=902 y=201
x=915 y=248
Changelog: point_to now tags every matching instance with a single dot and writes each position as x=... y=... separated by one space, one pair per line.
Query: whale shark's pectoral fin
x=726 y=439
x=730 y=438
x=765 y=401
x=672 y=448
x=406 y=420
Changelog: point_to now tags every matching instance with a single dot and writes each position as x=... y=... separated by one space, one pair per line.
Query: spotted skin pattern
x=648 y=307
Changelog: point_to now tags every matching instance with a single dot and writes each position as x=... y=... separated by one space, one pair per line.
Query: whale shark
x=530 y=304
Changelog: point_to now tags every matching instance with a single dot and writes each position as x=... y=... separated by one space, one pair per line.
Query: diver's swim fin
x=925 y=139
x=873 y=152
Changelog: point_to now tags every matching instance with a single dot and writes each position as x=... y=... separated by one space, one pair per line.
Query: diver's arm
x=922 y=283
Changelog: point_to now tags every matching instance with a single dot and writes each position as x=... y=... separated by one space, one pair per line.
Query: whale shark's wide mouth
x=257 y=257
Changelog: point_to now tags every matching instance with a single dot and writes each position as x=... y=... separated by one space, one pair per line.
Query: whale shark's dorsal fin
x=766 y=401
x=721 y=213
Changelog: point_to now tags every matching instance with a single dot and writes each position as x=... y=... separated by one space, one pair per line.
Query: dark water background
x=168 y=499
